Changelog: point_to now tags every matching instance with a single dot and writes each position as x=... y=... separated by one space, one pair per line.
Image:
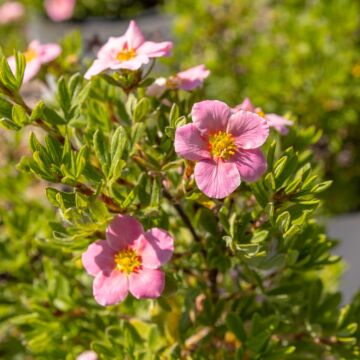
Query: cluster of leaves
x=245 y=279
x=294 y=51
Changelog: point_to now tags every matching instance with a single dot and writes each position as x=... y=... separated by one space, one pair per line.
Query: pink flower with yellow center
x=187 y=80
x=11 y=11
x=225 y=145
x=128 y=260
x=36 y=55
x=129 y=51
x=60 y=10
x=279 y=123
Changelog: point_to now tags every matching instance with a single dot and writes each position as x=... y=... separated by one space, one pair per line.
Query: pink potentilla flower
x=129 y=51
x=279 y=123
x=60 y=10
x=88 y=355
x=128 y=260
x=36 y=55
x=225 y=145
x=11 y=11
x=188 y=80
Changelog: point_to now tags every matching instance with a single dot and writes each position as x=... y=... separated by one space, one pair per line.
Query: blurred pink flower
x=36 y=55
x=11 y=11
x=279 y=123
x=129 y=51
x=60 y=10
x=187 y=80
x=128 y=260
x=225 y=145
x=87 y=355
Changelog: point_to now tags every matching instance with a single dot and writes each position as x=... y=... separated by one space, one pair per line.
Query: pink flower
x=129 y=51
x=87 y=355
x=11 y=11
x=279 y=123
x=225 y=145
x=35 y=56
x=188 y=80
x=128 y=260
x=60 y=10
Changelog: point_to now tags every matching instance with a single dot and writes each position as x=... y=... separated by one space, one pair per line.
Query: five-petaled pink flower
x=188 y=80
x=35 y=56
x=129 y=51
x=279 y=123
x=225 y=145
x=128 y=260
x=11 y=11
x=60 y=10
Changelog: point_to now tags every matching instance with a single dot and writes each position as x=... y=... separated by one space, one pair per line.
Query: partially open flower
x=35 y=56
x=11 y=11
x=279 y=123
x=60 y=10
x=188 y=80
x=88 y=355
x=129 y=51
x=128 y=260
x=225 y=145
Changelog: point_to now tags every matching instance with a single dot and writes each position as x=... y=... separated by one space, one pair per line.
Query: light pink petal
x=11 y=11
x=190 y=144
x=110 y=289
x=123 y=231
x=147 y=283
x=87 y=355
x=249 y=129
x=155 y=49
x=246 y=105
x=157 y=88
x=210 y=116
x=99 y=256
x=31 y=70
x=134 y=35
x=48 y=52
x=96 y=68
x=193 y=77
x=113 y=46
x=216 y=179
x=250 y=163
x=155 y=248
x=132 y=64
x=279 y=123
x=60 y=10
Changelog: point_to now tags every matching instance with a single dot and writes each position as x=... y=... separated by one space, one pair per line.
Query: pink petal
x=190 y=144
x=110 y=289
x=96 y=68
x=112 y=47
x=249 y=129
x=210 y=116
x=11 y=11
x=99 y=256
x=31 y=70
x=87 y=355
x=48 y=52
x=193 y=77
x=155 y=49
x=132 y=64
x=123 y=231
x=147 y=283
x=157 y=88
x=60 y=10
x=279 y=123
x=216 y=179
x=250 y=163
x=134 y=35
x=246 y=105
x=155 y=248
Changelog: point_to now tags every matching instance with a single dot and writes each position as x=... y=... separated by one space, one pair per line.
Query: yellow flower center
x=30 y=54
x=172 y=82
x=222 y=145
x=127 y=261
x=260 y=112
x=125 y=54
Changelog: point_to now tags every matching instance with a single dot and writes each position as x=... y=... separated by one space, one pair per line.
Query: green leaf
x=235 y=324
x=52 y=117
x=19 y=115
x=141 y=109
x=101 y=150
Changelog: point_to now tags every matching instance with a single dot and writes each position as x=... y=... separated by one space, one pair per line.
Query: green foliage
x=245 y=279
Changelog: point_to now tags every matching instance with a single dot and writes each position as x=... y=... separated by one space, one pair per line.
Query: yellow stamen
x=222 y=145
x=172 y=82
x=260 y=112
x=127 y=261
x=30 y=54
x=125 y=54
